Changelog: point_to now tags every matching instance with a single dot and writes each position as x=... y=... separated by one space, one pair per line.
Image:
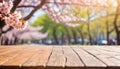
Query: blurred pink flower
x=5 y=7
x=15 y=21
x=0 y=15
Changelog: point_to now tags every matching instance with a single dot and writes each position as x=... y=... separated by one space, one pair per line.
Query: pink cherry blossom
x=15 y=21
x=5 y=7
x=0 y=15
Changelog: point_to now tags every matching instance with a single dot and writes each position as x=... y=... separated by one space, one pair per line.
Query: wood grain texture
x=39 y=59
x=59 y=57
x=104 y=56
x=72 y=59
x=88 y=59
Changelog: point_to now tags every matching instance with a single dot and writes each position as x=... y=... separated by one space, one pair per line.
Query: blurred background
x=65 y=22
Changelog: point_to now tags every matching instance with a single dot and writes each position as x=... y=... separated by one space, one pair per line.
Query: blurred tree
x=115 y=23
x=56 y=31
x=85 y=12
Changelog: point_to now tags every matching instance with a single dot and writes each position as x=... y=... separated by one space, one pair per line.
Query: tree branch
x=34 y=10
x=113 y=30
x=30 y=6
x=15 y=4
x=10 y=28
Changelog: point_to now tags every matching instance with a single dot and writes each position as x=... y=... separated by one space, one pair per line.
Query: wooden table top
x=59 y=57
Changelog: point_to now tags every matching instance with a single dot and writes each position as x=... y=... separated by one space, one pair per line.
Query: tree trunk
x=68 y=36
x=0 y=36
x=115 y=24
x=62 y=38
x=74 y=36
x=55 y=36
x=107 y=32
x=2 y=24
x=69 y=39
x=88 y=28
x=82 y=37
x=89 y=35
x=118 y=38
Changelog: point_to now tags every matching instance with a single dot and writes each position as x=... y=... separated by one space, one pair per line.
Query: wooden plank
x=6 y=49
x=72 y=59
x=89 y=60
x=3 y=47
x=113 y=53
x=7 y=56
x=39 y=59
x=16 y=62
x=104 y=56
x=57 y=59
x=110 y=49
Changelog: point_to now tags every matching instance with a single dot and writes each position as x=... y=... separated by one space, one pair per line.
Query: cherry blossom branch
x=1 y=0
x=80 y=4
x=30 y=6
x=10 y=28
x=15 y=4
x=34 y=10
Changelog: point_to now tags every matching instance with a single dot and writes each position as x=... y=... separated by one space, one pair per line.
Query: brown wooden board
x=72 y=59
x=89 y=60
x=19 y=59
x=57 y=58
x=104 y=56
x=39 y=59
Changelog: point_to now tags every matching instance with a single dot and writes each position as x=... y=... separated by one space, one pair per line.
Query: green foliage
x=48 y=25
x=101 y=17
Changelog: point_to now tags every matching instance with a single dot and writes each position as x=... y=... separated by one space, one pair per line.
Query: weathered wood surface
x=59 y=57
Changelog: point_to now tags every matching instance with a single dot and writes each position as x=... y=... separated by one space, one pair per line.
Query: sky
x=36 y=15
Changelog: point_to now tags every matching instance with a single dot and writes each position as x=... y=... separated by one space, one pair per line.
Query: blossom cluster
x=12 y=19
x=5 y=7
